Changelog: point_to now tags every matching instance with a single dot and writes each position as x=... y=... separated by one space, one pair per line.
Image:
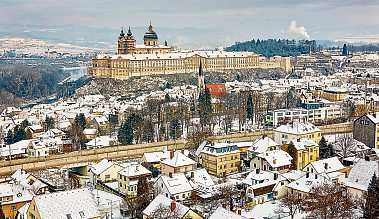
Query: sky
x=191 y=23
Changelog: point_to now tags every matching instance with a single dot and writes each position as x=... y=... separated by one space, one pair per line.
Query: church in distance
x=151 y=58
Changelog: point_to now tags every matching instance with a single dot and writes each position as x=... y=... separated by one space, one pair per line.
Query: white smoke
x=298 y=30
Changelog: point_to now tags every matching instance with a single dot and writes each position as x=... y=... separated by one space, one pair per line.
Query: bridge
x=124 y=152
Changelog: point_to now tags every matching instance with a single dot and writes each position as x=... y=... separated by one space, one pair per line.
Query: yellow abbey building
x=151 y=58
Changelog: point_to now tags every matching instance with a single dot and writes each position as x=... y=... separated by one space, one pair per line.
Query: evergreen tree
x=371 y=208
x=9 y=139
x=25 y=123
x=344 y=50
x=49 y=123
x=82 y=121
x=19 y=134
x=148 y=131
x=125 y=133
x=250 y=108
x=175 y=128
x=205 y=108
x=326 y=150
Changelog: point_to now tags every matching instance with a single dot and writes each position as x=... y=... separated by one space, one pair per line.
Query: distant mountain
x=96 y=37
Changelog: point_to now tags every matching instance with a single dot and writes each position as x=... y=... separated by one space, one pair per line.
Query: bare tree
x=344 y=146
x=290 y=204
x=163 y=212
x=329 y=200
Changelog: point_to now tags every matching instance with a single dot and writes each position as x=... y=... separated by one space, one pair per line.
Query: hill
x=275 y=47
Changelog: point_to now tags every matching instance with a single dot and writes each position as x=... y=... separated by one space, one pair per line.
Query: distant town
x=152 y=131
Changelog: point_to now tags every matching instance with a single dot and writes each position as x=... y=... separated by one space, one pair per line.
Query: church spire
x=200 y=78
x=150 y=26
x=129 y=32
x=200 y=69
x=122 y=32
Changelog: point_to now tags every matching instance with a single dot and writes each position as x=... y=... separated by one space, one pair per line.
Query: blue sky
x=192 y=23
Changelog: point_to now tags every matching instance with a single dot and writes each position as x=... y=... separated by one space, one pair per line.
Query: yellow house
x=104 y=171
x=303 y=151
x=170 y=207
x=220 y=159
x=129 y=176
x=79 y=203
x=12 y=198
x=284 y=134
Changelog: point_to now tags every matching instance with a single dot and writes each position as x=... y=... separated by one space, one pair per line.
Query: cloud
x=299 y=31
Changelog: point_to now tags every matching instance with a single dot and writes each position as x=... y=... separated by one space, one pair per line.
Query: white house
x=104 y=171
x=360 y=176
x=175 y=185
x=332 y=167
x=276 y=160
x=263 y=186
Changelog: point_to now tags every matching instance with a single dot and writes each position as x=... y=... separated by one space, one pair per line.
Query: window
x=81 y=213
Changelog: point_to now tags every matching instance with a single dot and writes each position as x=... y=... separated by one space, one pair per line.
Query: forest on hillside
x=18 y=82
x=275 y=47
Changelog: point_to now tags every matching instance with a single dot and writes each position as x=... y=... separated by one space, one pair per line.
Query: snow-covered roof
x=18 y=192
x=101 y=141
x=326 y=165
x=361 y=174
x=308 y=182
x=18 y=148
x=178 y=55
x=199 y=178
x=261 y=145
x=155 y=157
x=178 y=160
x=133 y=169
x=276 y=158
x=35 y=127
x=293 y=175
x=163 y=202
x=28 y=181
x=302 y=144
x=89 y=131
x=297 y=128
x=178 y=183
x=223 y=213
x=100 y=167
x=78 y=203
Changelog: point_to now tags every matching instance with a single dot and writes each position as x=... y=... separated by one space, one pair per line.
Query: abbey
x=126 y=44
x=151 y=58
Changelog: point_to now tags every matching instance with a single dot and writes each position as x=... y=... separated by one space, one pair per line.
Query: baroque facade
x=154 y=59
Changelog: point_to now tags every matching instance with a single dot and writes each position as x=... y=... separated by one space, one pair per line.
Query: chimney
x=367 y=158
x=298 y=140
x=172 y=154
x=192 y=175
x=307 y=175
x=137 y=167
x=274 y=161
x=326 y=166
x=257 y=171
x=173 y=205
x=315 y=176
x=275 y=176
x=170 y=175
